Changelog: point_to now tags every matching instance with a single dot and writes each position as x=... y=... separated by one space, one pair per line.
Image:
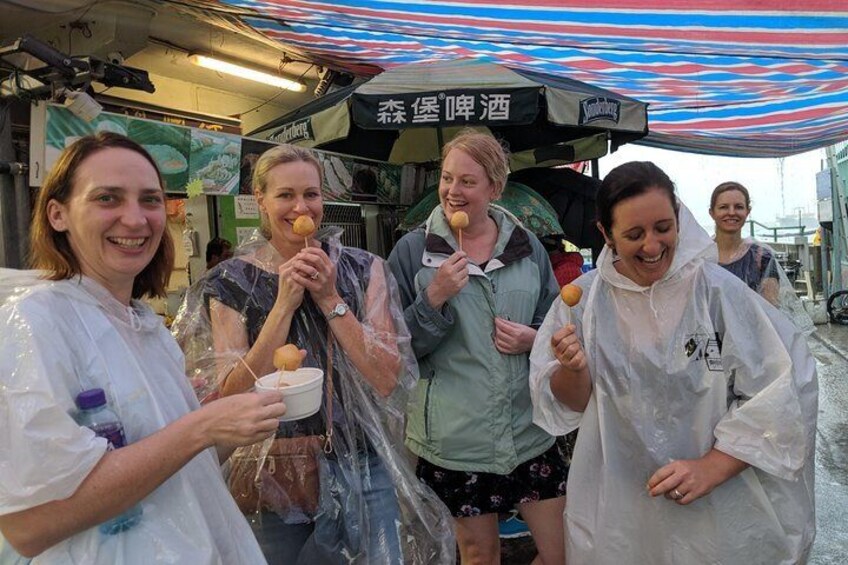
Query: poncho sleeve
x=549 y=413
x=771 y=419
x=44 y=454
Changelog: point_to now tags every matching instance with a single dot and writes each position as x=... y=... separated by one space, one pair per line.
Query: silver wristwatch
x=339 y=309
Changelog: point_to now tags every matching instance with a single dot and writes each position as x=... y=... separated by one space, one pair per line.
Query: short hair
x=727 y=187
x=216 y=247
x=486 y=152
x=629 y=180
x=50 y=249
x=280 y=155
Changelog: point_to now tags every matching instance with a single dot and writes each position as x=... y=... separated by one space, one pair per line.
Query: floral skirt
x=469 y=493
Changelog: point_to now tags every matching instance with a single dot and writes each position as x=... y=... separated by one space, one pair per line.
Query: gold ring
x=314 y=276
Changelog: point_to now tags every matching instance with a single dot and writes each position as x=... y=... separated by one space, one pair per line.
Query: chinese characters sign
x=446 y=108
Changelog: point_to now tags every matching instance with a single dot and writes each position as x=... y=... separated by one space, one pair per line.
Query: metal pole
x=22 y=212
x=9 y=253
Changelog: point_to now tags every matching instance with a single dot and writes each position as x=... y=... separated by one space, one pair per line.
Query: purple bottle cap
x=91 y=398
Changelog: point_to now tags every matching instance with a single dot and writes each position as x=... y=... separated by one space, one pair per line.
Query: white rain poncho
x=693 y=362
x=756 y=264
x=60 y=338
x=367 y=428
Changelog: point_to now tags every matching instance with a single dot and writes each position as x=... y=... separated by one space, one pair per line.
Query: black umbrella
x=573 y=196
x=406 y=114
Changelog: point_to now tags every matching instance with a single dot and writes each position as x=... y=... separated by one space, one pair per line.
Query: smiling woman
x=696 y=406
x=99 y=237
x=474 y=293
x=296 y=285
x=753 y=262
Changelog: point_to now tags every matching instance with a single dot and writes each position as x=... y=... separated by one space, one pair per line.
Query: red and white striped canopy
x=732 y=77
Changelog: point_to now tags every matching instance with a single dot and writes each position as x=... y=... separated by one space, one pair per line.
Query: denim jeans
x=310 y=544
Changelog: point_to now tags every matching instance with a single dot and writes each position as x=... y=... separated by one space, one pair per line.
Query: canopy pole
x=440 y=139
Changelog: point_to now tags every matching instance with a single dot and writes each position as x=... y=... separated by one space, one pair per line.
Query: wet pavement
x=830 y=347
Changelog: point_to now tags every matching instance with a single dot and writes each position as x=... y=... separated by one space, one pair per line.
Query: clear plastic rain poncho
x=757 y=265
x=60 y=338
x=693 y=362
x=368 y=429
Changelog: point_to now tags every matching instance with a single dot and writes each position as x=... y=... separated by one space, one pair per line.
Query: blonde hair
x=280 y=155
x=486 y=152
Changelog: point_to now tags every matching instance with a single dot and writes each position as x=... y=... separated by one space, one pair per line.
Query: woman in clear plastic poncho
x=313 y=292
x=696 y=401
x=750 y=260
x=99 y=236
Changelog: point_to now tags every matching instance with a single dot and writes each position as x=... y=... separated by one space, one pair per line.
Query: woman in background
x=751 y=260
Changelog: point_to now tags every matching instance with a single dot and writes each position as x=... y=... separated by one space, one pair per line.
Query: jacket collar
x=513 y=242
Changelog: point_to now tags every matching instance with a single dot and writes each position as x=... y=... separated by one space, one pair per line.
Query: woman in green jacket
x=473 y=301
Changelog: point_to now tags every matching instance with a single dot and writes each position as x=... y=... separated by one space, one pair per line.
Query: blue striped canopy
x=761 y=78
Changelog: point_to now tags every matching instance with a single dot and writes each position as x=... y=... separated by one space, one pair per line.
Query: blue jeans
x=336 y=535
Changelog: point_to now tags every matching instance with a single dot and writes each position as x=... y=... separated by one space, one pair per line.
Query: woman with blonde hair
x=474 y=293
x=351 y=495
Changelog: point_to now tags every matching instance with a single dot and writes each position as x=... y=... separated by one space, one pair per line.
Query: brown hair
x=50 y=249
x=486 y=151
x=727 y=187
x=280 y=155
x=629 y=180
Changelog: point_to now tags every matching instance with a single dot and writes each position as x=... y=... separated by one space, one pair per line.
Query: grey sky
x=697 y=175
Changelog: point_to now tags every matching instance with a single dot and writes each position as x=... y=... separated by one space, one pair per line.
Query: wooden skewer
x=460 y=238
x=249 y=370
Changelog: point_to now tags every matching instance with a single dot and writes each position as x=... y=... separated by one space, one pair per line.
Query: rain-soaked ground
x=830 y=346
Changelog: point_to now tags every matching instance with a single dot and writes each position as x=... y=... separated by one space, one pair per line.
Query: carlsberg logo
x=294 y=132
x=593 y=109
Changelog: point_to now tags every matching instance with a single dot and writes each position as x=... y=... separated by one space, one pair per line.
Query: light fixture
x=246 y=73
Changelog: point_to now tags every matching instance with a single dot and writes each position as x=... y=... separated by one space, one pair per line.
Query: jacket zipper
x=427 y=408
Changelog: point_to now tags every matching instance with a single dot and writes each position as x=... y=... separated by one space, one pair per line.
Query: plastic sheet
x=756 y=264
x=59 y=338
x=692 y=362
x=371 y=506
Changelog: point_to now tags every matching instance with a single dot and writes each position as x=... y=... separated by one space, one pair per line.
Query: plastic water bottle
x=95 y=414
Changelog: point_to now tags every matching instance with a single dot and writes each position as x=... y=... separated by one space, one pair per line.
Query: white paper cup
x=303 y=394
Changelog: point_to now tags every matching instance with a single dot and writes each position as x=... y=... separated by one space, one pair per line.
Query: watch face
x=339 y=310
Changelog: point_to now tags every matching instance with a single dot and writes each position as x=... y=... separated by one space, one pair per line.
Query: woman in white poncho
x=99 y=234
x=696 y=401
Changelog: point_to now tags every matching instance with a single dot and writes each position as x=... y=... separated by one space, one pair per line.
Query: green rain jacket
x=471 y=409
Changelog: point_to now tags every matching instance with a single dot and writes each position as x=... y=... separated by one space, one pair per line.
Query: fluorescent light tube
x=246 y=73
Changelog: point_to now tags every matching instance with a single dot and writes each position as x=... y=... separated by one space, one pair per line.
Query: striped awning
x=761 y=78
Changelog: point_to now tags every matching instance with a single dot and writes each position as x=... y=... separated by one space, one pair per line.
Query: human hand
x=686 y=480
x=451 y=277
x=567 y=348
x=242 y=419
x=290 y=290
x=317 y=274
x=512 y=338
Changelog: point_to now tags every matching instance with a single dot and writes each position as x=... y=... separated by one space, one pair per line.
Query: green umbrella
x=521 y=201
